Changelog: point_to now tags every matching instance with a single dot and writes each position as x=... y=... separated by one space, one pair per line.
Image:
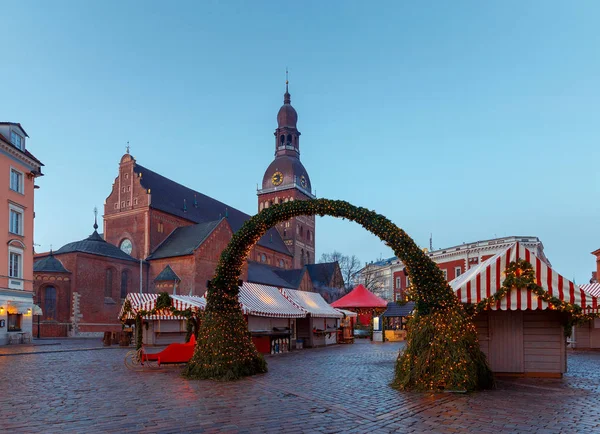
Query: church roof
x=167 y=275
x=176 y=199
x=294 y=277
x=266 y=275
x=184 y=240
x=321 y=274
x=95 y=245
x=49 y=264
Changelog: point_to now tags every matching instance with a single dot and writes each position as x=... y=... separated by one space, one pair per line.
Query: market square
x=319 y=217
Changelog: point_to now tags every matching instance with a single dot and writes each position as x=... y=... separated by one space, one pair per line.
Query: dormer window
x=17 y=140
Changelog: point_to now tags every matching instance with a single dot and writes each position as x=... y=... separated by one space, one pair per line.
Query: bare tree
x=373 y=279
x=349 y=266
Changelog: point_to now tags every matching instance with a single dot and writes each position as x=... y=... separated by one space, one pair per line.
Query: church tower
x=285 y=180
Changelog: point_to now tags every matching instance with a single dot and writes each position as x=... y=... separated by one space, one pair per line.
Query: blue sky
x=465 y=119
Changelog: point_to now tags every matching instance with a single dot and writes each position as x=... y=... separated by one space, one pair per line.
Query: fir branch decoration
x=225 y=350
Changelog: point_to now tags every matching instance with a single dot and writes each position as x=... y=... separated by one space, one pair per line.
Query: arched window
x=308 y=235
x=281 y=263
x=284 y=233
x=289 y=138
x=263 y=257
x=308 y=257
x=50 y=303
x=108 y=284
x=282 y=139
x=302 y=257
x=276 y=200
x=124 y=281
x=260 y=208
x=301 y=231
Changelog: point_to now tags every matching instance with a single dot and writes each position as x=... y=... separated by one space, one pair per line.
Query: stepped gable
x=169 y=196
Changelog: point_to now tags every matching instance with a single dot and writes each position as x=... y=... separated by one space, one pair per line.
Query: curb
x=64 y=351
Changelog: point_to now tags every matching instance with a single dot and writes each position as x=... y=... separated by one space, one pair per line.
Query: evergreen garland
x=225 y=350
x=163 y=305
x=521 y=275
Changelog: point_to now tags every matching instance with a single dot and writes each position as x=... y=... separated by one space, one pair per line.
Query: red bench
x=174 y=353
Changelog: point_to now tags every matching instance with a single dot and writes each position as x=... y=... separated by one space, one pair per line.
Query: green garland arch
x=442 y=350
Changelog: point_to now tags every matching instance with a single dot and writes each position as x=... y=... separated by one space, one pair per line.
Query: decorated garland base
x=442 y=352
x=224 y=350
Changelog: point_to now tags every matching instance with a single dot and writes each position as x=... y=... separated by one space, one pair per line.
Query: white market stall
x=271 y=317
x=163 y=328
x=320 y=326
x=587 y=335
x=521 y=334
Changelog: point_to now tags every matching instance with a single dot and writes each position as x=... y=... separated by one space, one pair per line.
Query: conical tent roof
x=360 y=297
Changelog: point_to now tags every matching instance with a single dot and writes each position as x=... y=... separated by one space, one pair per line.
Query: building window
x=398 y=282
x=124 y=280
x=123 y=204
x=135 y=201
x=50 y=303
x=14 y=322
x=261 y=206
x=263 y=257
x=281 y=263
x=407 y=281
x=308 y=257
x=16 y=220
x=445 y=274
x=16 y=181
x=108 y=283
x=17 y=140
x=117 y=205
x=457 y=271
x=308 y=235
x=161 y=228
x=287 y=224
x=15 y=264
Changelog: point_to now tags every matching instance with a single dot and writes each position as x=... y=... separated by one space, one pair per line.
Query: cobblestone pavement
x=52 y=345
x=344 y=388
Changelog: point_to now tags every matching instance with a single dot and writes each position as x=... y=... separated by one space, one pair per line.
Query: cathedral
x=159 y=235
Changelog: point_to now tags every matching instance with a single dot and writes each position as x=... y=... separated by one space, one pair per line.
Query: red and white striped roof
x=148 y=302
x=311 y=302
x=264 y=300
x=591 y=288
x=485 y=279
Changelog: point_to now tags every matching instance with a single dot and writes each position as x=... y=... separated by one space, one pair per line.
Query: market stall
x=394 y=320
x=522 y=307
x=271 y=317
x=161 y=328
x=347 y=326
x=366 y=304
x=319 y=327
x=587 y=335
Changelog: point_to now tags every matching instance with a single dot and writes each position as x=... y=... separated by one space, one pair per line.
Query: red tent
x=361 y=299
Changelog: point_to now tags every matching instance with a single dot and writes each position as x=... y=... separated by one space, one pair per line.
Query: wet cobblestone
x=340 y=389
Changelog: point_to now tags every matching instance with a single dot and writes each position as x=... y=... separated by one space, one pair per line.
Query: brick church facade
x=160 y=235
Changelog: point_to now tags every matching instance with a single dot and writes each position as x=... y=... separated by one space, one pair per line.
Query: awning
x=16 y=307
x=347 y=313
x=37 y=310
x=360 y=297
x=263 y=300
x=591 y=288
x=311 y=302
x=485 y=279
x=147 y=302
x=396 y=310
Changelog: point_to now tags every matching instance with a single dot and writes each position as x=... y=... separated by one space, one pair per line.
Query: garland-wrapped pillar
x=442 y=349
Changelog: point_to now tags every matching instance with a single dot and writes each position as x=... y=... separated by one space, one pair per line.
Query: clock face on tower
x=277 y=178
x=126 y=246
x=303 y=181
